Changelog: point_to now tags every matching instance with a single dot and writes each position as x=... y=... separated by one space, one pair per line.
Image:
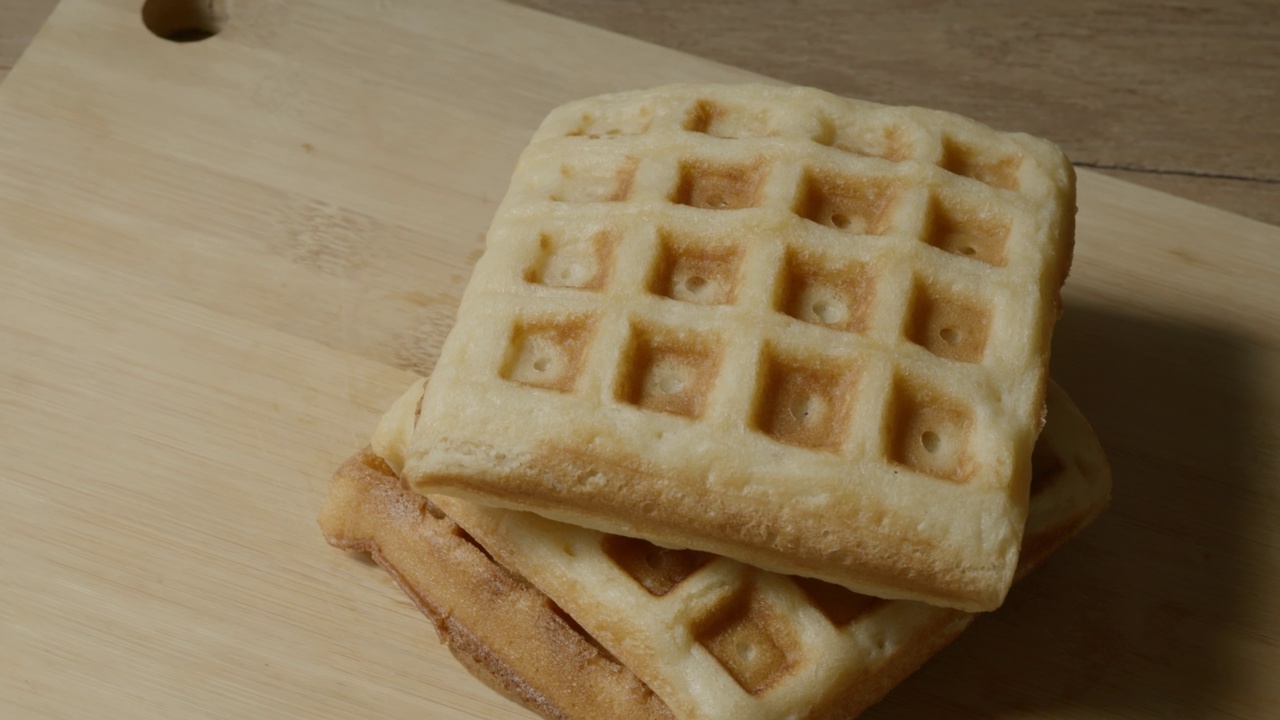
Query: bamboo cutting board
x=220 y=260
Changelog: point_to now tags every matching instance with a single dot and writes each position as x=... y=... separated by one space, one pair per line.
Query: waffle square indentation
x=948 y=325
x=657 y=569
x=841 y=606
x=695 y=272
x=613 y=122
x=720 y=186
x=752 y=640
x=548 y=353
x=594 y=182
x=805 y=402
x=855 y=205
x=999 y=171
x=582 y=263
x=819 y=291
x=929 y=432
x=968 y=233
x=668 y=370
x=886 y=141
x=711 y=118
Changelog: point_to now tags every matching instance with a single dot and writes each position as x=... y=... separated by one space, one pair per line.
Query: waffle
x=501 y=629
x=719 y=639
x=711 y=637
x=802 y=331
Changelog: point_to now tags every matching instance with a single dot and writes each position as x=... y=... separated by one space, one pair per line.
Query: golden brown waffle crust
x=502 y=630
x=842 y=659
x=505 y=632
x=892 y=564
x=718 y=462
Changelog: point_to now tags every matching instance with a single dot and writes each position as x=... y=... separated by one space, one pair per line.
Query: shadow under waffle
x=1135 y=618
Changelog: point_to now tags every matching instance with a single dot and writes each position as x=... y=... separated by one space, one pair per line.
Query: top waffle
x=801 y=331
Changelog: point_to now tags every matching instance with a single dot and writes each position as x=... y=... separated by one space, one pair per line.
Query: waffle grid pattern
x=713 y=637
x=904 y=258
x=719 y=639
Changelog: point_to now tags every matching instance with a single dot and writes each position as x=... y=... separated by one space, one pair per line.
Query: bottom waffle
x=504 y=631
x=697 y=636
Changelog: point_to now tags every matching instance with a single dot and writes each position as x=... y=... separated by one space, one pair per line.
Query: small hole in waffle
x=696 y=272
x=840 y=605
x=805 y=402
x=857 y=205
x=573 y=263
x=657 y=569
x=548 y=353
x=594 y=182
x=819 y=291
x=804 y=406
x=949 y=326
x=930 y=441
x=668 y=370
x=752 y=640
x=719 y=186
x=998 y=171
x=929 y=432
x=826 y=313
x=968 y=233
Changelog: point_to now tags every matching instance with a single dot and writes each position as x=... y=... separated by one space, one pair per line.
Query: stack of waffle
x=742 y=413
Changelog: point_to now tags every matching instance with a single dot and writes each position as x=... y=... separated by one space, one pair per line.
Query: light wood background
x=1180 y=97
x=220 y=261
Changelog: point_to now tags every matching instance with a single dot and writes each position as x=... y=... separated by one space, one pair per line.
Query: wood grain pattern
x=222 y=260
x=20 y=20
x=1147 y=90
x=1180 y=98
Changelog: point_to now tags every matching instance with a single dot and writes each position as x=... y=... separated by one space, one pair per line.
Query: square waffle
x=592 y=625
x=802 y=331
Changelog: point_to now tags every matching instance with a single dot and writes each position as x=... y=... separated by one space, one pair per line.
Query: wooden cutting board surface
x=220 y=260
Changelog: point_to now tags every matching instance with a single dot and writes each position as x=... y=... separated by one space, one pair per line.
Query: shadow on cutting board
x=1136 y=618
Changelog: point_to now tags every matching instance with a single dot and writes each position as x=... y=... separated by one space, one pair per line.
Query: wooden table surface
x=221 y=261
x=1180 y=97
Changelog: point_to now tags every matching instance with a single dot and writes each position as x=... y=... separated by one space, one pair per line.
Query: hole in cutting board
x=184 y=21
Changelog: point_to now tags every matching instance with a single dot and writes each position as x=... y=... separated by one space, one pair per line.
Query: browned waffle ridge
x=503 y=630
x=760 y=645
x=720 y=640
